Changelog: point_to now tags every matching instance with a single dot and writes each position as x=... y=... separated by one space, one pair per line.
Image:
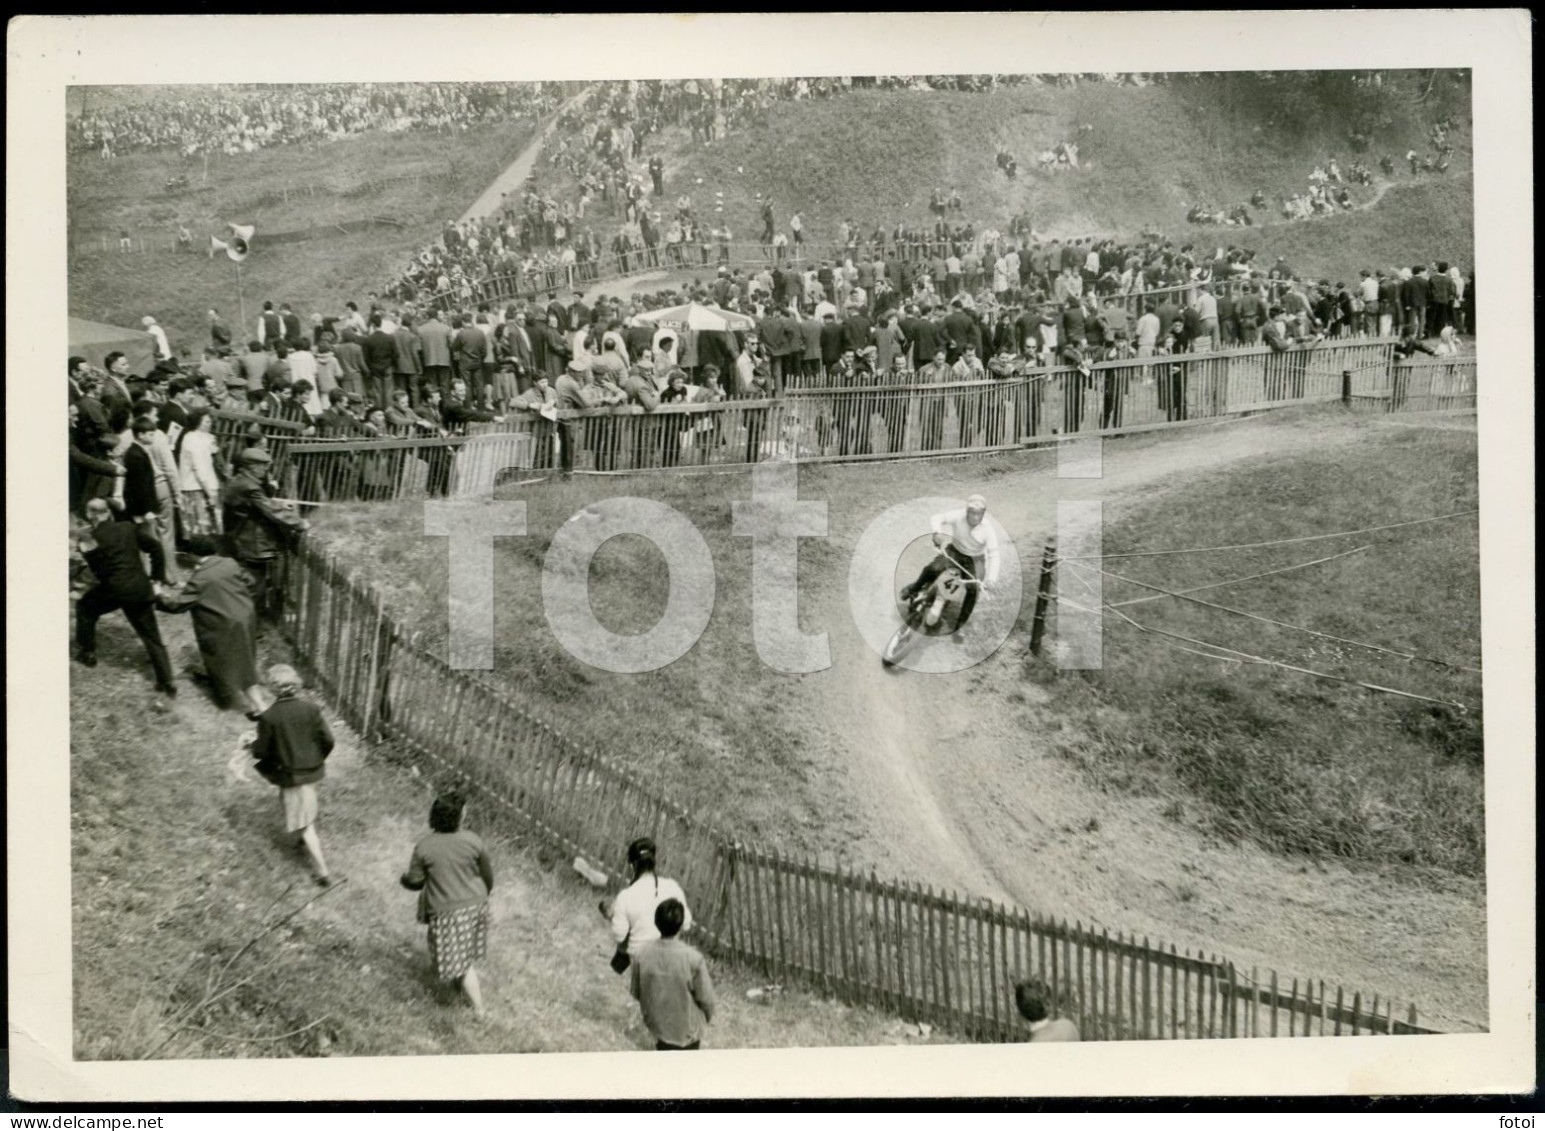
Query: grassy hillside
x=177 y=867
x=875 y=156
x=719 y=737
x=279 y=189
x=1252 y=752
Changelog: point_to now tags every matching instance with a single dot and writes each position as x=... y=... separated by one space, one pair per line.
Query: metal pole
x=1043 y=595
x=241 y=298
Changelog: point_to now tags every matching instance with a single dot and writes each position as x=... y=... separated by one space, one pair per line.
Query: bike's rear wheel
x=899 y=645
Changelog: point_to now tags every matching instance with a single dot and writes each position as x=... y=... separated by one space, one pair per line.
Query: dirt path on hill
x=515 y=176
x=953 y=789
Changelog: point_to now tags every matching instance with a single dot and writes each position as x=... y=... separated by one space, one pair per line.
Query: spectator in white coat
x=197 y=477
x=632 y=912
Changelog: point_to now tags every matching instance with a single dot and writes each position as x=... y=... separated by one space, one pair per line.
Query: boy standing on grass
x=292 y=745
x=671 y=982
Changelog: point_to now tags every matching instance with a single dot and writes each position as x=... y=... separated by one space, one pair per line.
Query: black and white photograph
x=634 y=551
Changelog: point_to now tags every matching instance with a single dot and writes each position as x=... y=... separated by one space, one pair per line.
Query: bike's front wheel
x=899 y=645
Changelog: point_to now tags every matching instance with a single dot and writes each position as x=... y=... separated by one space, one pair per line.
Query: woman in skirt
x=197 y=449
x=451 y=872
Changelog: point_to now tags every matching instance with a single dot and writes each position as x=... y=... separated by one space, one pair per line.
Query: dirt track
x=514 y=177
x=954 y=793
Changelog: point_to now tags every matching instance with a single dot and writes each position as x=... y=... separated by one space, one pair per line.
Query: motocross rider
x=967 y=541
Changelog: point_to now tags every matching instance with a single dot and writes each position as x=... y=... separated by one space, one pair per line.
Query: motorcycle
x=933 y=610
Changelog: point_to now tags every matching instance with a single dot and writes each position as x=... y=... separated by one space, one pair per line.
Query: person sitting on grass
x=1034 y=997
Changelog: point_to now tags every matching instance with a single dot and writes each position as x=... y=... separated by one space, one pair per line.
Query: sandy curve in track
x=950 y=788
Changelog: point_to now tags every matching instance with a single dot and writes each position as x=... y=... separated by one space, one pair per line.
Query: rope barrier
x=1284 y=624
x=1234 y=655
x=1276 y=542
x=1236 y=580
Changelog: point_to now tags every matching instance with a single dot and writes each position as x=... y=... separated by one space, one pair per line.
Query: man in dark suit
x=578 y=314
x=172 y=416
x=112 y=552
x=434 y=338
x=381 y=360
x=291 y=324
x=833 y=341
x=1414 y=297
x=1391 y=311
x=1440 y=300
x=469 y=348
x=1249 y=312
x=518 y=348
x=139 y=484
x=857 y=330
x=961 y=331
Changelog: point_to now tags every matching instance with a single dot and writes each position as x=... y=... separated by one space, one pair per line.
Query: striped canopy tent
x=695 y=316
x=95 y=340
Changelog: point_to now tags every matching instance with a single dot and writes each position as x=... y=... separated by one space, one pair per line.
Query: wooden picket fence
x=927 y=956
x=1424 y=384
x=868 y=422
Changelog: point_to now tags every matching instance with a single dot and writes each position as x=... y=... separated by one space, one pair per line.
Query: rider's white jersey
x=977 y=541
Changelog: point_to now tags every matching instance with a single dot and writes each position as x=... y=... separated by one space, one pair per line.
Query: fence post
x=1346 y=386
x=723 y=914
x=1043 y=595
x=369 y=708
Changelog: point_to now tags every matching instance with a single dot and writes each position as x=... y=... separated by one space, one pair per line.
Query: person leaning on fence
x=632 y=913
x=454 y=877
x=1400 y=375
x=257 y=527
x=572 y=393
x=291 y=749
x=1034 y=998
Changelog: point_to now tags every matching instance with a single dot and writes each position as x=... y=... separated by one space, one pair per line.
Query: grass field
x=177 y=867
x=1296 y=764
x=266 y=189
x=875 y=156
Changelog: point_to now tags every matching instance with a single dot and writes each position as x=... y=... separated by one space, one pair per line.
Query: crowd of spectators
x=465 y=334
x=620 y=217
x=266 y=116
x=1329 y=190
x=397 y=369
x=622 y=220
